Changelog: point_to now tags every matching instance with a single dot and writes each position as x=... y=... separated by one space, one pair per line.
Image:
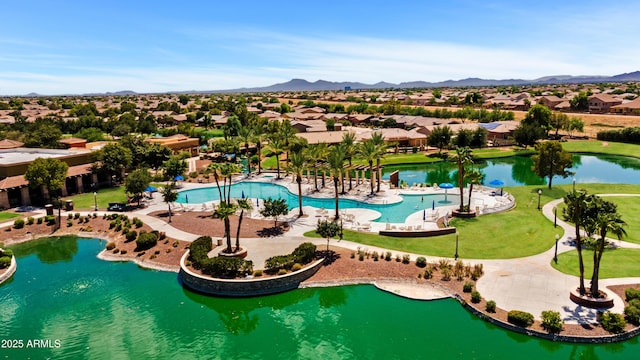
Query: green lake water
x=105 y=310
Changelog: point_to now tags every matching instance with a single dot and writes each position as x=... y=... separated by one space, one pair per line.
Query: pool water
x=113 y=310
x=392 y=213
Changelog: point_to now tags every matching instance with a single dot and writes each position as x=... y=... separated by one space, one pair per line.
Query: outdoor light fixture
x=539 y=194
x=555 y=256
x=457 y=235
x=95 y=201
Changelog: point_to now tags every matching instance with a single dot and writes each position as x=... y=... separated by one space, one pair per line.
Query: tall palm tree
x=227 y=170
x=369 y=151
x=288 y=135
x=606 y=222
x=224 y=211
x=214 y=169
x=297 y=166
x=576 y=202
x=349 y=145
x=381 y=146
x=474 y=177
x=462 y=158
x=245 y=135
x=169 y=196
x=259 y=136
x=277 y=148
x=242 y=204
x=317 y=152
x=335 y=162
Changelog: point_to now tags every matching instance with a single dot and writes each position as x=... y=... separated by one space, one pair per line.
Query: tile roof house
x=602 y=103
x=630 y=108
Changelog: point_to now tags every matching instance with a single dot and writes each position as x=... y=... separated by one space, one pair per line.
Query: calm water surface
x=105 y=310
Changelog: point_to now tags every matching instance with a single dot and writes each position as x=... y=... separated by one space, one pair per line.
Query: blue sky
x=62 y=47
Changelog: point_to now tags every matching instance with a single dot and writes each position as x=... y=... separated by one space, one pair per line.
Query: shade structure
x=178 y=178
x=446 y=187
x=243 y=194
x=433 y=205
x=424 y=214
x=186 y=198
x=150 y=189
x=496 y=183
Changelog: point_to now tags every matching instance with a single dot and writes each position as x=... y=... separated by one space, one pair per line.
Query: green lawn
x=521 y=232
x=597 y=147
x=629 y=208
x=614 y=264
x=7 y=215
x=105 y=196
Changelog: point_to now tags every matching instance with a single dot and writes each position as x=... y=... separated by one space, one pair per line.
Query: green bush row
x=520 y=318
x=303 y=254
x=146 y=240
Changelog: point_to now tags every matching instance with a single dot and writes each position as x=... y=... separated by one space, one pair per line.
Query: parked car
x=117 y=207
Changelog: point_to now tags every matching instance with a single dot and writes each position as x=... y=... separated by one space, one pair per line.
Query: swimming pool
x=392 y=213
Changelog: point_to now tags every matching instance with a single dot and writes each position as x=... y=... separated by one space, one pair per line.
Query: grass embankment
x=602 y=147
x=615 y=263
x=104 y=196
x=521 y=232
x=7 y=215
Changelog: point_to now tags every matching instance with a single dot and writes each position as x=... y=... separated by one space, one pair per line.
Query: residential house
x=627 y=108
x=602 y=103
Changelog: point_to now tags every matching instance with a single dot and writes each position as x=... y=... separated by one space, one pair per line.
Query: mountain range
x=304 y=85
x=320 y=85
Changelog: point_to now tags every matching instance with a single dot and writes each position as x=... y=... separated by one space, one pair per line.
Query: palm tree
x=378 y=139
x=576 y=202
x=214 y=169
x=462 y=158
x=224 y=211
x=245 y=135
x=259 y=136
x=242 y=204
x=169 y=196
x=288 y=134
x=606 y=222
x=349 y=145
x=227 y=170
x=277 y=148
x=336 y=162
x=368 y=151
x=315 y=153
x=473 y=176
x=297 y=166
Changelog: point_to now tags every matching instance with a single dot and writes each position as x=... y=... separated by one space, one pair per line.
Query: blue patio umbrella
x=424 y=214
x=497 y=184
x=446 y=187
x=186 y=198
x=150 y=189
x=257 y=202
x=243 y=194
x=433 y=205
x=178 y=178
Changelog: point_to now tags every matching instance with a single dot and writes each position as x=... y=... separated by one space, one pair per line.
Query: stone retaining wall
x=554 y=337
x=9 y=271
x=245 y=287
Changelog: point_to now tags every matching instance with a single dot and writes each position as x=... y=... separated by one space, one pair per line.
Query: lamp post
x=555 y=256
x=539 y=194
x=574 y=184
x=457 y=235
x=95 y=201
x=555 y=216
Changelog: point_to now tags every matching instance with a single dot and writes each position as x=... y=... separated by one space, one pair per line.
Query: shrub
x=551 y=321
x=421 y=261
x=475 y=297
x=137 y=222
x=635 y=302
x=6 y=252
x=70 y=217
x=406 y=259
x=30 y=220
x=444 y=264
x=39 y=220
x=69 y=223
x=226 y=267
x=257 y=273
x=375 y=256
x=296 y=267
x=279 y=262
x=631 y=293
x=353 y=255
x=118 y=227
x=361 y=255
x=477 y=272
x=398 y=258
x=116 y=251
x=157 y=252
x=304 y=253
x=123 y=252
x=282 y=272
x=76 y=215
x=131 y=235
x=50 y=220
x=428 y=273
x=5 y=262
x=168 y=250
x=467 y=287
x=612 y=322
x=199 y=249
x=446 y=274
x=175 y=243
x=7 y=229
x=141 y=253
x=520 y=318
x=146 y=241
x=18 y=224
x=632 y=314
x=491 y=306
x=387 y=256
